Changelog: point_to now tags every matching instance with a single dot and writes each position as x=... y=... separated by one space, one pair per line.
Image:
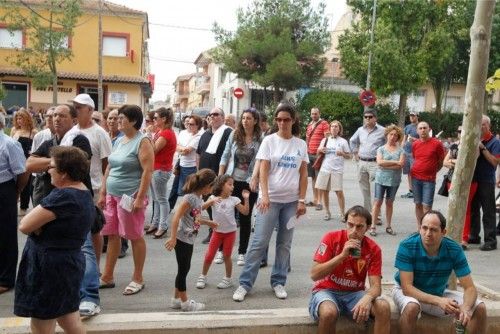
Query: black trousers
x=8 y=234
x=26 y=194
x=245 y=220
x=183 y=254
x=484 y=199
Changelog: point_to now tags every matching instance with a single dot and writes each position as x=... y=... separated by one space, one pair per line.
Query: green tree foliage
x=494 y=63
x=278 y=43
x=341 y=106
x=48 y=28
x=415 y=42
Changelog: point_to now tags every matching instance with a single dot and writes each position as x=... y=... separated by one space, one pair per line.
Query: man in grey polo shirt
x=364 y=144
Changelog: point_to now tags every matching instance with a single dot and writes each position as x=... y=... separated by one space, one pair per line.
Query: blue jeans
x=161 y=207
x=423 y=192
x=276 y=217
x=89 y=290
x=183 y=175
x=343 y=300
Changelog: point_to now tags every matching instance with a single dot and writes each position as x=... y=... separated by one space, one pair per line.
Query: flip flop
x=310 y=204
x=373 y=233
x=106 y=285
x=133 y=288
x=389 y=230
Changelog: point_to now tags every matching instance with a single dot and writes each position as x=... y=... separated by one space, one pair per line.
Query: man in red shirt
x=428 y=155
x=315 y=132
x=341 y=263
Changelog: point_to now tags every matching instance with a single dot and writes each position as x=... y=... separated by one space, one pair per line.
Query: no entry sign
x=238 y=93
x=367 y=98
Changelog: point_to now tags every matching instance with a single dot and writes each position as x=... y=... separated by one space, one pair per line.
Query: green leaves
x=277 y=43
x=48 y=28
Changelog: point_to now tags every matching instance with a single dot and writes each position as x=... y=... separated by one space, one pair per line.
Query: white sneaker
x=175 y=303
x=219 y=258
x=241 y=260
x=201 y=283
x=280 y=292
x=225 y=283
x=89 y=309
x=239 y=294
x=192 y=306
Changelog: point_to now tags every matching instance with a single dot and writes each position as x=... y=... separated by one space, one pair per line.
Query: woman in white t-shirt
x=187 y=143
x=331 y=173
x=283 y=183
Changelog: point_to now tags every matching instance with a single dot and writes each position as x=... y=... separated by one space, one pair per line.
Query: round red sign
x=367 y=98
x=238 y=93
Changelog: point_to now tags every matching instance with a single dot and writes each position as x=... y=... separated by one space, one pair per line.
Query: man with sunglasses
x=364 y=144
x=211 y=146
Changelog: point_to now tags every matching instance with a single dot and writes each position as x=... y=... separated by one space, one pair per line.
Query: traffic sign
x=367 y=98
x=238 y=93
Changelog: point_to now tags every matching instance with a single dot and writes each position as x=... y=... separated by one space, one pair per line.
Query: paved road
x=161 y=267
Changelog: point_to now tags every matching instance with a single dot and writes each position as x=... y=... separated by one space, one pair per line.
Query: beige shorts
x=400 y=300
x=329 y=181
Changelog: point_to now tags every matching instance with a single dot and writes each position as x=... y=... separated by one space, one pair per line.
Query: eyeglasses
x=214 y=114
x=282 y=120
x=368 y=117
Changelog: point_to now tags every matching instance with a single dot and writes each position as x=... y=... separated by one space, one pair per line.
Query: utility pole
x=372 y=32
x=100 y=94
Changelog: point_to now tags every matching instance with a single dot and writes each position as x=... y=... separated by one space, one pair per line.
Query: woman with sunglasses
x=164 y=143
x=283 y=183
x=238 y=161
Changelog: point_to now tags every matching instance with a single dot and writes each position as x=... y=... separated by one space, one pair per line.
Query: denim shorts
x=390 y=192
x=423 y=192
x=343 y=300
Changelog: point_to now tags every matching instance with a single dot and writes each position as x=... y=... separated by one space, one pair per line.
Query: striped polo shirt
x=314 y=137
x=430 y=273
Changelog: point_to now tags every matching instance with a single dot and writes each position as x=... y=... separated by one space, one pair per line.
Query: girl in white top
x=330 y=176
x=225 y=234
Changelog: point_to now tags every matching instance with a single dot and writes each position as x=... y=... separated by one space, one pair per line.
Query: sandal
x=373 y=233
x=151 y=229
x=310 y=204
x=159 y=234
x=390 y=231
x=133 y=288
x=106 y=285
x=328 y=216
x=4 y=289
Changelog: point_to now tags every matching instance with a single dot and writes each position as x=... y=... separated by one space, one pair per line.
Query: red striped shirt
x=314 y=138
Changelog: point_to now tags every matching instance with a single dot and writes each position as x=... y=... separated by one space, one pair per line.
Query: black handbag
x=443 y=190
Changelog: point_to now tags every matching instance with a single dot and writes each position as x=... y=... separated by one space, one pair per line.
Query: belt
x=368 y=159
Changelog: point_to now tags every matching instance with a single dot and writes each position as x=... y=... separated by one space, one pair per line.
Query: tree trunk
x=402 y=110
x=471 y=124
x=54 y=89
x=438 y=95
x=276 y=95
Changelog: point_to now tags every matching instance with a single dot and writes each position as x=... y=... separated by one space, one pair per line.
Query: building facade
x=125 y=60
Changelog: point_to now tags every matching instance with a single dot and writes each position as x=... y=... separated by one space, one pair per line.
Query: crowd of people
x=112 y=165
